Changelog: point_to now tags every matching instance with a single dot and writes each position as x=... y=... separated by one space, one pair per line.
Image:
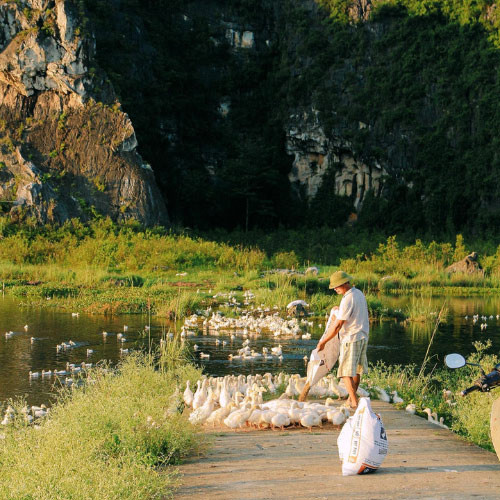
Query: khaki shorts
x=352 y=358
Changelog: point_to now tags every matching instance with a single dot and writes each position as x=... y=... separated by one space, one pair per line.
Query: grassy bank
x=114 y=438
x=105 y=268
x=468 y=416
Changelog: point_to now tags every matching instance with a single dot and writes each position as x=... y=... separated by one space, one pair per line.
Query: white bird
x=362 y=393
x=217 y=416
x=26 y=327
x=188 y=395
x=90 y=352
x=310 y=420
x=75 y=315
x=382 y=395
x=336 y=417
x=200 y=396
x=277 y=351
x=34 y=374
x=203 y=355
x=411 y=408
x=123 y=351
x=224 y=397
x=396 y=398
x=280 y=420
x=239 y=417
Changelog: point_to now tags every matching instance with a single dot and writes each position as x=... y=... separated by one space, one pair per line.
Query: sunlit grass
x=422 y=308
x=113 y=439
x=468 y=416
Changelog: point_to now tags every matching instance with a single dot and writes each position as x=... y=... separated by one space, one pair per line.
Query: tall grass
x=422 y=309
x=468 y=416
x=112 y=439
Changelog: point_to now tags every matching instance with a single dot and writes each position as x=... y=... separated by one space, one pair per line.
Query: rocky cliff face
x=314 y=154
x=66 y=148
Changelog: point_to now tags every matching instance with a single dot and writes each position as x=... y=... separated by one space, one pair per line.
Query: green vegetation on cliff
x=421 y=75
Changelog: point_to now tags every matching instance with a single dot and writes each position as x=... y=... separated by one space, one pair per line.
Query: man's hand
x=320 y=346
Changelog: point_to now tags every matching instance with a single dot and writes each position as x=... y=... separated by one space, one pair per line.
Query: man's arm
x=333 y=330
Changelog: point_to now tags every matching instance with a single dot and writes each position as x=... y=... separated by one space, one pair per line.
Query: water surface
x=390 y=341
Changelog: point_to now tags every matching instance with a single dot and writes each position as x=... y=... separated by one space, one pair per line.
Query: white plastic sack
x=362 y=441
x=320 y=363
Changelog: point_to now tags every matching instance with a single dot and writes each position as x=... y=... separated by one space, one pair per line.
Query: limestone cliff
x=314 y=154
x=66 y=147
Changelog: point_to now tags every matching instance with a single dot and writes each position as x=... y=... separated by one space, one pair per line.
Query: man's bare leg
x=305 y=392
x=351 y=389
x=356 y=381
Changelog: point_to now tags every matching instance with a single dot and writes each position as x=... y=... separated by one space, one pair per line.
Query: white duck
x=362 y=393
x=224 y=397
x=188 y=395
x=280 y=420
x=336 y=417
x=295 y=413
x=396 y=398
x=254 y=418
x=310 y=420
x=411 y=408
x=277 y=351
x=217 y=416
x=239 y=417
x=382 y=395
x=200 y=395
x=291 y=389
x=203 y=412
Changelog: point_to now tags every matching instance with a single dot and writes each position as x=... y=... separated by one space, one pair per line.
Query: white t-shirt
x=354 y=310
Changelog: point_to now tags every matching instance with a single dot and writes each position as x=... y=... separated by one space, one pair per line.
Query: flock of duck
x=28 y=414
x=71 y=368
x=483 y=325
x=249 y=325
x=237 y=401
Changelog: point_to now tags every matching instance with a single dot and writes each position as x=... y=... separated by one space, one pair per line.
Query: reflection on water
x=390 y=341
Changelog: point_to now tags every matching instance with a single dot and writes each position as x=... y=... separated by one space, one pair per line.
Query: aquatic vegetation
x=422 y=308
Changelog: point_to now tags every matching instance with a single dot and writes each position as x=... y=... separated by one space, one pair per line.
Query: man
x=353 y=326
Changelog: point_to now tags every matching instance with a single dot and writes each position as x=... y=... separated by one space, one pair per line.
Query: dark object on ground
x=468 y=265
x=297 y=311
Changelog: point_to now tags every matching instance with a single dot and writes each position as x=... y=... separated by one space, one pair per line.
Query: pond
x=390 y=341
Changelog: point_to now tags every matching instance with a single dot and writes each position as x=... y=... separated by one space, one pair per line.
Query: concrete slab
x=424 y=462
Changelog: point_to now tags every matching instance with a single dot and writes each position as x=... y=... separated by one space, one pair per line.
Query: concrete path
x=424 y=462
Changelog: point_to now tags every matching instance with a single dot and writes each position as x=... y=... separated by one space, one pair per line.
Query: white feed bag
x=362 y=441
x=322 y=362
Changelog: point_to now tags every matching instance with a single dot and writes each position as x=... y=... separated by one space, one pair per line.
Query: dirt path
x=424 y=461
